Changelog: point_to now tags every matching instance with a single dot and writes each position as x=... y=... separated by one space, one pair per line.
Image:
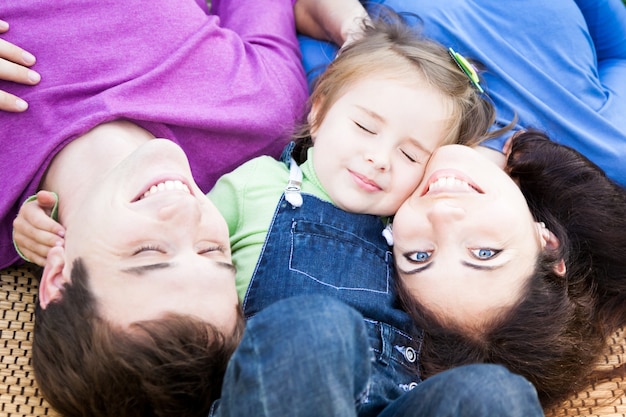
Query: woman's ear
x=560 y=269
x=53 y=278
x=550 y=241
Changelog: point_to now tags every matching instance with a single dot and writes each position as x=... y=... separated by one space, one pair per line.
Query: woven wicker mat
x=20 y=397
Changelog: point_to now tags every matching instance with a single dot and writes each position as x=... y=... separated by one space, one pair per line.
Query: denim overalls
x=317 y=248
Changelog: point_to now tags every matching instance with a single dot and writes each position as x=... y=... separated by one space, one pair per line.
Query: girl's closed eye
x=409 y=156
x=362 y=127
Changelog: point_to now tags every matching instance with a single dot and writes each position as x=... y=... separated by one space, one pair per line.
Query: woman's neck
x=82 y=162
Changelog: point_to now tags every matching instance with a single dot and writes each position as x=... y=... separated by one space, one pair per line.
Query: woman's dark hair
x=554 y=335
x=86 y=366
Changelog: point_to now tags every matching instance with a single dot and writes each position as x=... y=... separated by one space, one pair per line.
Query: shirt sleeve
x=227 y=195
x=606 y=20
x=267 y=28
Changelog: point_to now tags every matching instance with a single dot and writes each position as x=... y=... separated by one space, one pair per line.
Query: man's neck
x=83 y=162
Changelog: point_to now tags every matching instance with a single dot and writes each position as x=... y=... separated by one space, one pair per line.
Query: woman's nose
x=445 y=212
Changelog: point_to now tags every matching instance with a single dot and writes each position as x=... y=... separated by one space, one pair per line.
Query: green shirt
x=247 y=198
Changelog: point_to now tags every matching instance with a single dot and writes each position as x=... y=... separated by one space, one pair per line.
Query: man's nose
x=185 y=210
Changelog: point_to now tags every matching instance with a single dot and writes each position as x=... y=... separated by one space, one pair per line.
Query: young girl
x=378 y=112
x=527 y=271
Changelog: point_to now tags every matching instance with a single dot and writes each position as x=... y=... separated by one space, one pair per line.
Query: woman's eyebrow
x=416 y=270
x=481 y=267
x=478 y=267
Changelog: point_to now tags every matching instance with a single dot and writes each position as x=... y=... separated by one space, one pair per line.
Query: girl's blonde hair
x=388 y=45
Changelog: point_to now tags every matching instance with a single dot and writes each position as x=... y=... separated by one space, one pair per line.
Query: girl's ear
x=312 y=118
x=53 y=278
x=550 y=241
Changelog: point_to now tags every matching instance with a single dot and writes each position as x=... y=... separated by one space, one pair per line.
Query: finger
x=28 y=238
x=35 y=258
x=42 y=228
x=32 y=228
x=13 y=53
x=11 y=103
x=10 y=71
x=36 y=253
x=14 y=63
x=46 y=199
x=4 y=26
x=27 y=232
x=35 y=245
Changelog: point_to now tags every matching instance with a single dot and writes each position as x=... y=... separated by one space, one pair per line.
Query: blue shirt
x=559 y=65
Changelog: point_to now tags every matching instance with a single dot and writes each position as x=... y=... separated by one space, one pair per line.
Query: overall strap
x=292 y=190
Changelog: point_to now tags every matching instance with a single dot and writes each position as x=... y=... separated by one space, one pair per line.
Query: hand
x=338 y=21
x=14 y=66
x=34 y=231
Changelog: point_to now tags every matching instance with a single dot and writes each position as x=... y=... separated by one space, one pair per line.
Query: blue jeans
x=310 y=356
x=319 y=249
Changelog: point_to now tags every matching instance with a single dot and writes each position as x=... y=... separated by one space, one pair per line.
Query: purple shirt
x=225 y=88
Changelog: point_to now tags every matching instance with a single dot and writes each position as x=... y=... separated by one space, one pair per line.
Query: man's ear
x=54 y=277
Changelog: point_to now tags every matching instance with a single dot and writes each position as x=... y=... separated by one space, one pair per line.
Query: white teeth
x=166 y=186
x=449 y=183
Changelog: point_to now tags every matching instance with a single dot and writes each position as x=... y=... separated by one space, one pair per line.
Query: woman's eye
x=419 y=256
x=485 y=253
x=149 y=248
x=364 y=128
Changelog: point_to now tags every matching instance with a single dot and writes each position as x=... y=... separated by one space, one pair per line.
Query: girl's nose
x=379 y=159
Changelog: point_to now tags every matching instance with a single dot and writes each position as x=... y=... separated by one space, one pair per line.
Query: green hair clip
x=467 y=68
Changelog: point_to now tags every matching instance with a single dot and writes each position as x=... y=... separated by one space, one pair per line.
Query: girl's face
x=465 y=242
x=371 y=148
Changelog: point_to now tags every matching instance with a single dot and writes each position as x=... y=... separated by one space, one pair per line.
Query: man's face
x=153 y=243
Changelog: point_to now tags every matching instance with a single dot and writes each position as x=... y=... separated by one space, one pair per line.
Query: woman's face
x=153 y=243
x=465 y=242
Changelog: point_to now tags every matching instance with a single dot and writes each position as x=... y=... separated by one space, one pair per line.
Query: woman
x=526 y=270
